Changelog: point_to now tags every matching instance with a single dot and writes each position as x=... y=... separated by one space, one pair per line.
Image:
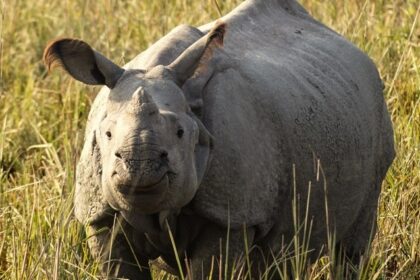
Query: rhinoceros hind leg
x=353 y=249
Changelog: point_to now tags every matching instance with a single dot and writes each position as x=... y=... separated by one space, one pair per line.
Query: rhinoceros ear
x=197 y=55
x=82 y=62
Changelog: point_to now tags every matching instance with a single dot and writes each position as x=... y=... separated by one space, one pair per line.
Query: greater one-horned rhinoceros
x=230 y=126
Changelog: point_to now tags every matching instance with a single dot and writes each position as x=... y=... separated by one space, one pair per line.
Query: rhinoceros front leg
x=207 y=256
x=114 y=243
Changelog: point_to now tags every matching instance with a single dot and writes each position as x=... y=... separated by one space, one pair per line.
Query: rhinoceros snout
x=142 y=170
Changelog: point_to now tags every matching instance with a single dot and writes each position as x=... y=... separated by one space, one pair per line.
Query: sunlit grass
x=42 y=122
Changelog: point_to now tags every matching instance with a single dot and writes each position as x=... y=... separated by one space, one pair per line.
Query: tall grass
x=42 y=120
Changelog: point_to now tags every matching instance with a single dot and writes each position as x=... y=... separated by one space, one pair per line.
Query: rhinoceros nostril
x=118 y=155
x=164 y=155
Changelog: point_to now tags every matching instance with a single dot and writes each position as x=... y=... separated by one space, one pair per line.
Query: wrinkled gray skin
x=206 y=137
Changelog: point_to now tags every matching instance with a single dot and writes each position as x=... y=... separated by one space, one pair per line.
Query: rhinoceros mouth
x=154 y=189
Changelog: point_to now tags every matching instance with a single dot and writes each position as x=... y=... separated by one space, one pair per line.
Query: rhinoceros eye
x=108 y=134
x=180 y=133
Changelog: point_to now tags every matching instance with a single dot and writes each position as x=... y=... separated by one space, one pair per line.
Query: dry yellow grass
x=42 y=120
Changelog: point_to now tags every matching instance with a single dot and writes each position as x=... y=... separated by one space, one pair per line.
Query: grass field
x=42 y=121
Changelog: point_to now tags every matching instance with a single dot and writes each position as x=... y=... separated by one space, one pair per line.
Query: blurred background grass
x=42 y=120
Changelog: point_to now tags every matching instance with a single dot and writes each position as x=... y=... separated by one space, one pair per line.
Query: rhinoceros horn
x=142 y=102
x=197 y=54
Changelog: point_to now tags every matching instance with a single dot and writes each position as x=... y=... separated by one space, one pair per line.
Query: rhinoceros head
x=153 y=150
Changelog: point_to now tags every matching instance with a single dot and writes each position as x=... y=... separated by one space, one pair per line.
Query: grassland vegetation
x=42 y=119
